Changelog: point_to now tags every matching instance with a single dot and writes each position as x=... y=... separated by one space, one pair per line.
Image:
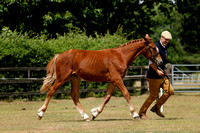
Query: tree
x=191 y=24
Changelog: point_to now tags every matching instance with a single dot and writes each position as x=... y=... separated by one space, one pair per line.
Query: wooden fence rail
x=29 y=80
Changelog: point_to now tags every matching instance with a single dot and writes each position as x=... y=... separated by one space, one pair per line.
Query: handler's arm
x=160 y=73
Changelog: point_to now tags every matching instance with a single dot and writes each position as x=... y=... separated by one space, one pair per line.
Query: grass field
x=182 y=113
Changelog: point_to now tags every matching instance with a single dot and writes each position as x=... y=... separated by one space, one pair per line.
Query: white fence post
x=161 y=93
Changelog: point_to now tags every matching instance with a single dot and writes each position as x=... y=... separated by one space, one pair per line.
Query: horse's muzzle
x=158 y=61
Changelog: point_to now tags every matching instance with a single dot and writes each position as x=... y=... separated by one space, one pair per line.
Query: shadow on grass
x=112 y=120
x=173 y=118
x=168 y=119
x=97 y=120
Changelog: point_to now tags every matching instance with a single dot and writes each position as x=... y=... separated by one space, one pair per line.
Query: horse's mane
x=130 y=42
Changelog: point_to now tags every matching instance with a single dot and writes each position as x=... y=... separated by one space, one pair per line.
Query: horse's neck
x=131 y=51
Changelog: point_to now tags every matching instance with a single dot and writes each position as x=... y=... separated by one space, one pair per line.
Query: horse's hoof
x=95 y=113
x=93 y=117
x=136 y=117
x=88 y=119
x=39 y=117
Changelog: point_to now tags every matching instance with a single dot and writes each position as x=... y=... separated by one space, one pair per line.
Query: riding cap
x=166 y=34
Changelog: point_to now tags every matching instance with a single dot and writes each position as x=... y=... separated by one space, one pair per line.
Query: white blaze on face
x=157 y=49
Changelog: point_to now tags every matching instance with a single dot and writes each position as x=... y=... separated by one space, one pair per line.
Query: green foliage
x=191 y=21
x=79 y=40
x=192 y=58
x=136 y=17
x=65 y=20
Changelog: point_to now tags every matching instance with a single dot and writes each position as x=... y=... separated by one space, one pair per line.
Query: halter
x=149 y=48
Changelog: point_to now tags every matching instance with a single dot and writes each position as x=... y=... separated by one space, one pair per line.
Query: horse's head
x=151 y=51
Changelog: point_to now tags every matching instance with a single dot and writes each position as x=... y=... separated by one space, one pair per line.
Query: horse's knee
x=152 y=97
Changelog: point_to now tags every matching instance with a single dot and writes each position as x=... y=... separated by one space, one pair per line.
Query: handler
x=157 y=80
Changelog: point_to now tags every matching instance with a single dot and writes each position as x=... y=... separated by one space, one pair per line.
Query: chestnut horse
x=107 y=65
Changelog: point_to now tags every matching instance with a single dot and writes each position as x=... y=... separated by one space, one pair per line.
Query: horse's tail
x=51 y=74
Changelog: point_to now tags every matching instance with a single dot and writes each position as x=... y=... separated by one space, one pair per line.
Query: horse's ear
x=147 y=35
x=146 y=38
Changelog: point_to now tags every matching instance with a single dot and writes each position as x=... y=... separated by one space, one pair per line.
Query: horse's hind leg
x=75 y=86
x=96 y=111
x=61 y=79
x=50 y=93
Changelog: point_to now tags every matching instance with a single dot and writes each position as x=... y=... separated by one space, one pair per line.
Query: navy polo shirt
x=163 y=53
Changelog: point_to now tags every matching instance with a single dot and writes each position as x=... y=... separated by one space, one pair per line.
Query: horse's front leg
x=96 y=111
x=119 y=83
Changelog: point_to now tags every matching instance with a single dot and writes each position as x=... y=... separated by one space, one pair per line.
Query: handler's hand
x=160 y=73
